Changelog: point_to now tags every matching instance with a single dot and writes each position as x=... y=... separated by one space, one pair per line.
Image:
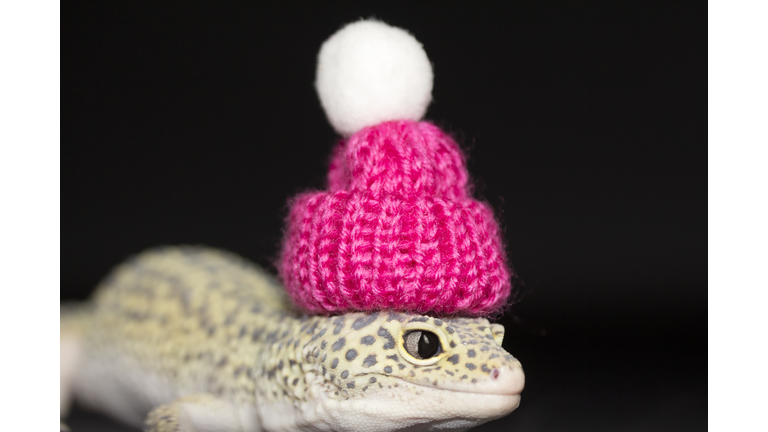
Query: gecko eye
x=421 y=344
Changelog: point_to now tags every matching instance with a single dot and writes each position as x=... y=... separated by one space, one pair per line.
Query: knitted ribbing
x=396 y=230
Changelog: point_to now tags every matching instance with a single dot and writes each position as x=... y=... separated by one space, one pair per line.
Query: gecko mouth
x=462 y=391
x=470 y=404
x=500 y=382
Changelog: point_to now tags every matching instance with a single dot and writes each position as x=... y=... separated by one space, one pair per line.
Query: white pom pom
x=368 y=73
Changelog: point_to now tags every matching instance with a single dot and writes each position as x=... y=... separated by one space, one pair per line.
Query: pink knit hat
x=397 y=228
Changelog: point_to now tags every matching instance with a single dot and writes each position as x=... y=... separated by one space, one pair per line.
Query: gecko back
x=145 y=318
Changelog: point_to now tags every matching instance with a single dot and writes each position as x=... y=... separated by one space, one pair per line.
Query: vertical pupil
x=427 y=345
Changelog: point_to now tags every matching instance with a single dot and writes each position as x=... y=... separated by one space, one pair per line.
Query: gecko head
x=395 y=371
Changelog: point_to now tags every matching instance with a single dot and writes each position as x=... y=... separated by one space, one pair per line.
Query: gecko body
x=194 y=339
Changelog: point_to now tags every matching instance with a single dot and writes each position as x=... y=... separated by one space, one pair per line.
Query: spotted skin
x=182 y=321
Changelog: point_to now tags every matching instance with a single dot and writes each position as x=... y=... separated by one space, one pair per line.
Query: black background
x=585 y=124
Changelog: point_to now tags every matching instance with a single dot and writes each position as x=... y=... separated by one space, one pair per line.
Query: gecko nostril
x=495 y=373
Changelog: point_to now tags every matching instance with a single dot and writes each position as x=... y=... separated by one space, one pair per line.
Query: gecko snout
x=505 y=380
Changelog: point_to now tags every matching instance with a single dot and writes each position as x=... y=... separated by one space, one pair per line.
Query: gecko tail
x=74 y=320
